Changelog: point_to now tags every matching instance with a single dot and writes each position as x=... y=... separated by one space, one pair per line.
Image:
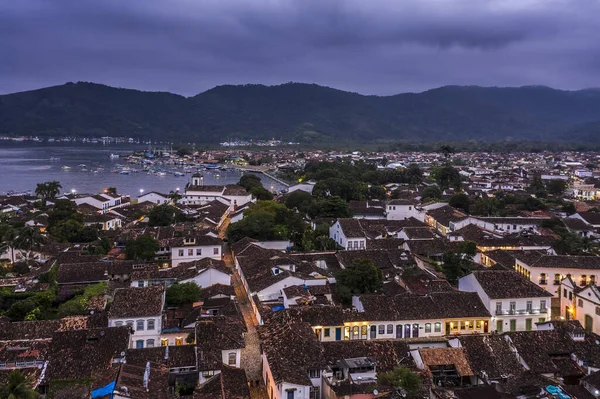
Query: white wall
x=401 y=212
x=207 y=251
x=535 y=273
x=210 y=277
x=225 y=357
x=144 y=334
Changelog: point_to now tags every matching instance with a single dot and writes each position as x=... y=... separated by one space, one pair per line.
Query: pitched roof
x=503 y=284
x=561 y=261
x=446 y=356
x=137 y=302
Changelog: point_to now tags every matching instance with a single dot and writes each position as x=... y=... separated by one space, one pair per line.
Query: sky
x=368 y=46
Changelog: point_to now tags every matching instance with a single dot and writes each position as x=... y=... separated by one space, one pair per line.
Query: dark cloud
x=375 y=46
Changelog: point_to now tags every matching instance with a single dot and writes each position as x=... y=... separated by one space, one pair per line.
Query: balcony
x=556 y=282
x=521 y=312
x=543 y=282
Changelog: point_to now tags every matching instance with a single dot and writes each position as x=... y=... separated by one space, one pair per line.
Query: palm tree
x=18 y=387
x=7 y=240
x=47 y=190
x=175 y=196
x=28 y=239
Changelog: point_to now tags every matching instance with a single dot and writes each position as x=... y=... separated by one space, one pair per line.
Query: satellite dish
x=375 y=392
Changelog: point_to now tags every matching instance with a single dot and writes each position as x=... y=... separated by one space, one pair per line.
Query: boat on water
x=124 y=172
x=114 y=156
x=66 y=167
x=211 y=166
x=160 y=174
x=84 y=170
x=179 y=174
x=54 y=159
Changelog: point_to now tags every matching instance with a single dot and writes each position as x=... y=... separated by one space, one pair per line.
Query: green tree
x=537 y=186
x=162 y=215
x=486 y=206
x=28 y=239
x=402 y=379
x=377 y=192
x=249 y=181
x=142 y=248
x=446 y=177
x=447 y=150
x=431 y=193
x=18 y=387
x=261 y=193
x=7 y=240
x=47 y=191
x=111 y=191
x=414 y=174
x=179 y=294
x=556 y=187
x=569 y=208
x=300 y=200
x=66 y=230
x=361 y=277
x=332 y=207
x=460 y=201
x=459 y=263
x=175 y=196
x=533 y=204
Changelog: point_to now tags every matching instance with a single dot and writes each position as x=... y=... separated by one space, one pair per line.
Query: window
x=499 y=325
x=583 y=280
x=118 y=323
x=208 y=373
x=529 y=306
x=513 y=307
x=381 y=329
x=570 y=295
x=315 y=393
x=541 y=319
x=513 y=325
x=543 y=306
x=362 y=245
x=470 y=324
x=346 y=333
x=478 y=325
x=580 y=303
x=556 y=279
x=363 y=332
x=140 y=284
x=149 y=343
x=129 y=323
x=528 y=323
x=564 y=292
x=390 y=328
x=150 y=324
x=327 y=332
x=164 y=342
x=198 y=251
x=231 y=358
x=190 y=252
x=355 y=331
x=178 y=341
x=462 y=325
x=290 y=394
x=437 y=327
x=598 y=310
x=181 y=252
x=593 y=280
x=139 y=344
x=542 y=278
x=498 y=307
x=427 y=327
x=314 y=373
x=139 y=325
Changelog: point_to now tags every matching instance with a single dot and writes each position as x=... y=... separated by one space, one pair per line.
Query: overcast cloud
x=368 y=46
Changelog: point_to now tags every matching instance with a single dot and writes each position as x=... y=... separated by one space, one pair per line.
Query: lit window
x=164 y=342
x=179 y=341
x=437 y=327
x=232 y=358
x=427 y=327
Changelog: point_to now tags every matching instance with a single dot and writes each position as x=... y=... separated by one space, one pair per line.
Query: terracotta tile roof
x=503 y=284
x=137 y=302
x=561 y=261
x=291 y=348
x=175 y=356
x=447 y=356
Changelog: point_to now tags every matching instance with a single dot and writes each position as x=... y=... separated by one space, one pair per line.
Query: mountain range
x=305 y=112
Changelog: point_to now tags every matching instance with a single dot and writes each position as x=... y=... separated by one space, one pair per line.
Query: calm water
x=23 y=166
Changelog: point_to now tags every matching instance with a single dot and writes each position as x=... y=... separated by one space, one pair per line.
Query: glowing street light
x=73 y=191
x=141 y=191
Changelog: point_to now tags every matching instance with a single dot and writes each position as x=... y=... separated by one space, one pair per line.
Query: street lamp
x=177 y=189
x=141 y=191
x=73 y=191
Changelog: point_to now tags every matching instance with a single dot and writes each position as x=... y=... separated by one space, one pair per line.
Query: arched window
x=390 y=328
x=427 y=327
x=118 y=323
x=129 y=323
x=381 y=329
x=150 y=324
x=231 y=358
x=140 y=325
x=149 y=343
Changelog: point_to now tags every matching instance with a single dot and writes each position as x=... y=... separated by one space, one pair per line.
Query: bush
x=178 y=294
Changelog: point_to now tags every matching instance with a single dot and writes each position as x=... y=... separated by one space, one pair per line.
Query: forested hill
x=305 y=112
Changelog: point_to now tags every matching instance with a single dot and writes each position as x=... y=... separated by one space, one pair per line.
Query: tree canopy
x=142 y=248
x=179 y=294
x=48 y=190
x=361 y=277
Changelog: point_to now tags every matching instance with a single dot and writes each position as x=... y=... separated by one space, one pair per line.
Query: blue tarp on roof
x=105 y=390
x=276 y=308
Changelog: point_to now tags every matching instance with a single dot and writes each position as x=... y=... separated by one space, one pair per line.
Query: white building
x=547 y=271
x=103 y=202
x=348 y=233
x=516 y=304
x=141 y=309
x=204 y=273
x=402 y=209
x=197 y=193
x=192 y=248
x=580 y=304
x=155 y=198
